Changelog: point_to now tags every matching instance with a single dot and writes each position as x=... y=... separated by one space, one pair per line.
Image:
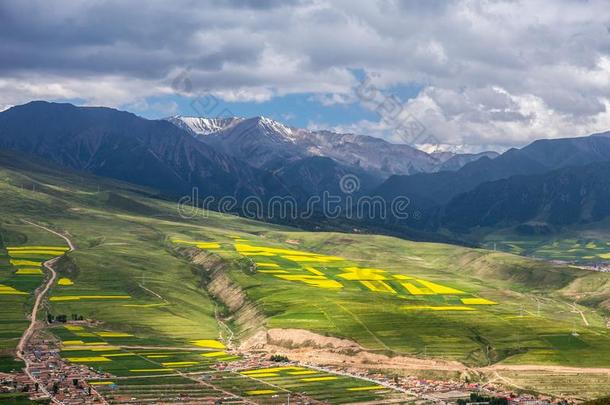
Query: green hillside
x=144 y=273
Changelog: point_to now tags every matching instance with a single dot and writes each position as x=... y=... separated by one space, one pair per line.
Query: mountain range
x=267 y=144
x=538 y=157
x=571 y=195
x=504 y=191
x=123 y=146
x=552 y=182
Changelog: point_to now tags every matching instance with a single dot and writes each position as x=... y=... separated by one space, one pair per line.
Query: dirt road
x=40 y=293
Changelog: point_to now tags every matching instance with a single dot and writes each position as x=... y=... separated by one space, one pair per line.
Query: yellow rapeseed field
x=29 y=271
x=316 y=379
x=21 y=253
x=65 y=281
x=363 y=274
x=48 y=248
x=25 y=263
x=260 y=392
x=179 y=363
x=272 y=370
x=92 y=359
x=113 y=334
x=7 y=290
x=374 y=279
x=368 y=388
x=212 y=344
x=477 y=301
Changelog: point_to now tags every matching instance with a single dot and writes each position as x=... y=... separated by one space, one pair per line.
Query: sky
x=470 y=75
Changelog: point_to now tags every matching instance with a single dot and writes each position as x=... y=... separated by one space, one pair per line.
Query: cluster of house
x=52 y=377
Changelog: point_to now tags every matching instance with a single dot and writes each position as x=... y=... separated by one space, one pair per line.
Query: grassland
x=565 y=384
x=518 y=322
x=574 y=244
x=131 y=275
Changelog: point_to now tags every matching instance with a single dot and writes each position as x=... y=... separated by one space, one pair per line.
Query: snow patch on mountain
x=203 y=126
x=265 y=143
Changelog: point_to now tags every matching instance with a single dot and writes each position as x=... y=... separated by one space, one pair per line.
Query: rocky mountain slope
x=123 y=146
x=539 y=157
x=268 y=144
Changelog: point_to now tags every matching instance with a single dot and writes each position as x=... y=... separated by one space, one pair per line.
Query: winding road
x=40 y=293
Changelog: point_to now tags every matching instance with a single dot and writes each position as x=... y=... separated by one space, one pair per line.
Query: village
x=51 y=378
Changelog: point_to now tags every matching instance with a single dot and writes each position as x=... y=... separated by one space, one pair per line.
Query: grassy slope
x=122 y=238
x=13 y=307
x=115 y=254
x=586 y=244
x=377 y=321
x=581 y=245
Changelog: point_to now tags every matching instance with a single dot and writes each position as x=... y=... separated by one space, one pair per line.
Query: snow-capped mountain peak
x=203 y=126
x=274 y=128
x=268 y=144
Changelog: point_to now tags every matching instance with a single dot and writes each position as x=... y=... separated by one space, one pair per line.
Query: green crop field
x=140 y=271
x=573 y=244
x=20 y=275
x=481 y=313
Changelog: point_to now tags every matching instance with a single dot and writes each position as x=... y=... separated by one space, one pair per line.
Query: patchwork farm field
x=572 y=245
x=140 y=275
x=202 y=370
x=248 y=385
x=590 y=385
x=409 y=305
x=569 y=250
x=23 y=250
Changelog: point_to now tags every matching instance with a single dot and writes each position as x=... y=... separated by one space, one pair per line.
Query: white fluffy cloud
x=492 y=72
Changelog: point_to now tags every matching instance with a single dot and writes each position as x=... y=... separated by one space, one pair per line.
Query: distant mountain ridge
x=571 y=195
x=536 y=158
x=260 y=157
x=121 y=145
x=268 y=144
